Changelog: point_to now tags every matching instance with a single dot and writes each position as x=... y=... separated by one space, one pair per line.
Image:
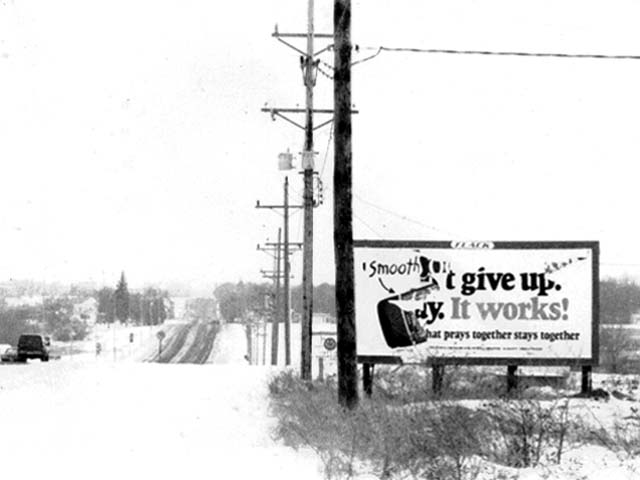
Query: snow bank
x=230 y=345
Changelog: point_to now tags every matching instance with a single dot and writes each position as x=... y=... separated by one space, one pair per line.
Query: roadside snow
x=72 y=419
x=230 y=345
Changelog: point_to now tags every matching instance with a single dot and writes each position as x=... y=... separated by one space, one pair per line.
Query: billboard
x=477 y=302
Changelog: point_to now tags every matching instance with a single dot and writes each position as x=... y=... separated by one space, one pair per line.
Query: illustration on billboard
x=532 y=303
x=401 y=325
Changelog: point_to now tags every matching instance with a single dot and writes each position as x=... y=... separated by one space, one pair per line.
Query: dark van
x=33 y=346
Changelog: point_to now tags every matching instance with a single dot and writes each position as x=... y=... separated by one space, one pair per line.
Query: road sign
x=330 y=343
x=323 y=343
x=160 y=335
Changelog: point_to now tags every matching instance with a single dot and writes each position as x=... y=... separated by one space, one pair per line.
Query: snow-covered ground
x=115 y=343
x=81 y=418
x=230 y=346
x=114 y=416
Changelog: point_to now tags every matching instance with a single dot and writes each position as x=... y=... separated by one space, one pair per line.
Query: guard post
x=586 y=386
x=437 y=377
x=367 y=378
x=512 y=378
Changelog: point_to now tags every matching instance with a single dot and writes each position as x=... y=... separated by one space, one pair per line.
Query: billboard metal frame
x=594 y=246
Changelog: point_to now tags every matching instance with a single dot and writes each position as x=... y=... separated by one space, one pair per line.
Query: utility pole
x=286 y=307
x=342 y=205
x=276 y=276
x=287 y=273
x=308 y=166
x=309 y=66
x=275 y=328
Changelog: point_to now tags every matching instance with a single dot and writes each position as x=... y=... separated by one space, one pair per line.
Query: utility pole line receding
x=287 y=309
x=275 y=326
x=308 y=166
x=343 y=215
x=309 y=66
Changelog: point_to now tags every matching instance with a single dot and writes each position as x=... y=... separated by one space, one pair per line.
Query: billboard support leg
x=437 y=375
x=320 y=368
x=512 y=378
x=367 y=378
x=586 y=380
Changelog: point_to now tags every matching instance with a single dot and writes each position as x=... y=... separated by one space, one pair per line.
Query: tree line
x=150 y=307
x=55 y=316
x=236 y=300
x=619 y=299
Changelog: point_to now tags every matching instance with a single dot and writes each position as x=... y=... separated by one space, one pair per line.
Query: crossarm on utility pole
x=279 y=112
x=298 y=245
x=259 y=205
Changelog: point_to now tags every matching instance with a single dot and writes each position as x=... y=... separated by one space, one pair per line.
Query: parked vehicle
x=9 y=355
x=33 y=346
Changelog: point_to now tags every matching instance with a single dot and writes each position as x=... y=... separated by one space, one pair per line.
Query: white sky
x=131 y=134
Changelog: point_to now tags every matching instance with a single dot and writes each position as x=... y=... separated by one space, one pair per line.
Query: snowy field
x=81 y=418
x=115 y=342
x=115 y=416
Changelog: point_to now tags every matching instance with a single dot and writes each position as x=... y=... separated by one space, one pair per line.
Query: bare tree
x=616 y=344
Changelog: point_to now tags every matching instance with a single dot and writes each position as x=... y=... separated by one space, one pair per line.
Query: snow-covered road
x=73 y=419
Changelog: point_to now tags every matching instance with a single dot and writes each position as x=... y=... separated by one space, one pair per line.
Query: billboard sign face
x=477 y=302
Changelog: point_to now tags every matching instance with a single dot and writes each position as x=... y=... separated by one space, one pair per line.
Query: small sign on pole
x=324 y=346
x=330 y=344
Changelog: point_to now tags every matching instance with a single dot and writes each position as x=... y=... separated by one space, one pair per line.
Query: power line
x=324 y=72
x=620 y=264
x=397 y=215
x=590 y=56
x=368 y=226
x=326 y=153
x=400 y=216
x=328 y=65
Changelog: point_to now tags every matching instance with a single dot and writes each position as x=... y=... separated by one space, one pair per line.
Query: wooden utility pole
x=308 y=166
x=275 y=326
x=309 y=66
x=287 y=270
x=287 y=265
x=342 y=213
x=275 y=275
